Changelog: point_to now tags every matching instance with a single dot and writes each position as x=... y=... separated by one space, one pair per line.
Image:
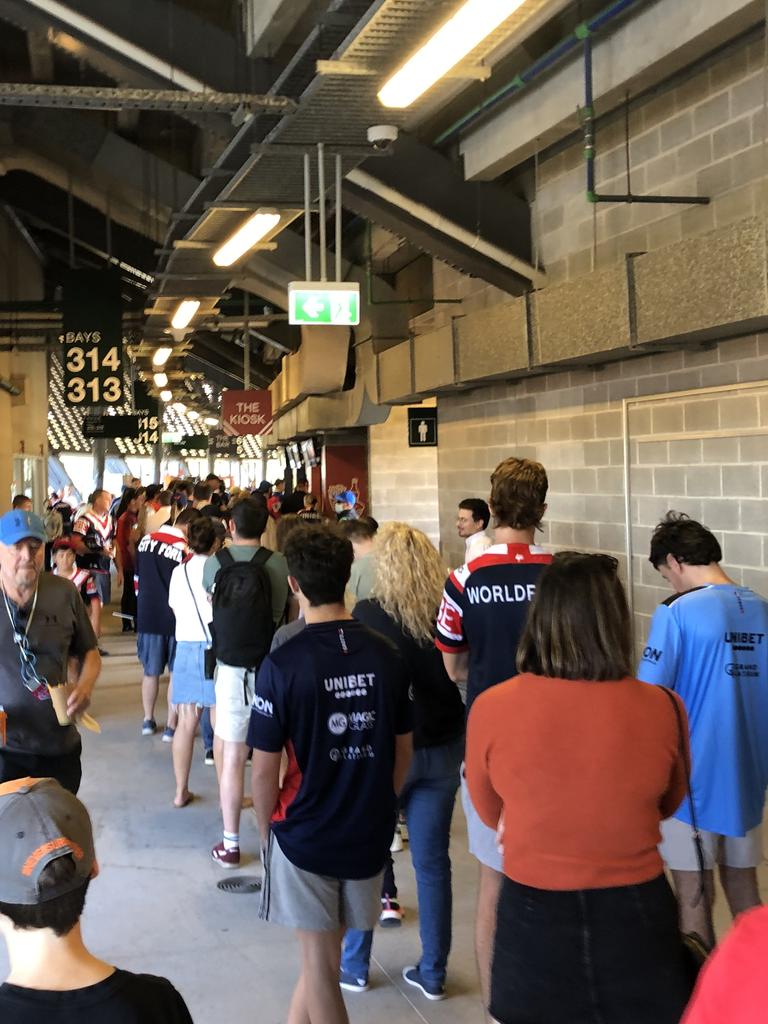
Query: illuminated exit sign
x=335 y=303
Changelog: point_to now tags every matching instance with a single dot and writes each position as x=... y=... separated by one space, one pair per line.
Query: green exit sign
x=324 y=302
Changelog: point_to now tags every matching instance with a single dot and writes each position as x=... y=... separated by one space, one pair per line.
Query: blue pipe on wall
x=560 y=50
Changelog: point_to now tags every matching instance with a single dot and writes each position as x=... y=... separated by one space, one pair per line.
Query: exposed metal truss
x=81 y=97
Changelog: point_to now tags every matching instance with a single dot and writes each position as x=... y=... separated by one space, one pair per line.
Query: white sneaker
x=397 y=842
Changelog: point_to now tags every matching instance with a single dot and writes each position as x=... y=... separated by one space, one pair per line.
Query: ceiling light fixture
x=453 y=41
x=160 y=379
x=246 y=236
x=211 y=421
x=166 y=396
x=161 y=356
x=193 y=414
x=184 y=313
x=179 y=407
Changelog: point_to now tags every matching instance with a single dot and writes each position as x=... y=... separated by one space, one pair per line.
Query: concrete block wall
x=402 y=480
x=704 y=453
x=703 y=137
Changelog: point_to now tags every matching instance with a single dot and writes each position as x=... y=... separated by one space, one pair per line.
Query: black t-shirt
x=334 y=697
x=438 y=710
x=122 y=998
x=292 y=504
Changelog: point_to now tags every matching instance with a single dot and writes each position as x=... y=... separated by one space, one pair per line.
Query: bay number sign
x=93 y=339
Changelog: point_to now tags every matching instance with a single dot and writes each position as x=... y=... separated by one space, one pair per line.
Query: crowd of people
x=367 y=685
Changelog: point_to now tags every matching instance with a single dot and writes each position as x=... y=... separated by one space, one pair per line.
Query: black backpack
x=242 y=626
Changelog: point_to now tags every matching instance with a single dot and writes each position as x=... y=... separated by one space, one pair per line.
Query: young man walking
x=249 y=588
x=93 y=538
x=709 y=643
x=336 y=699
x=484 y=608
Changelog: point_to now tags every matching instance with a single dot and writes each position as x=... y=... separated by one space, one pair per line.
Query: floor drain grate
x=242 y=884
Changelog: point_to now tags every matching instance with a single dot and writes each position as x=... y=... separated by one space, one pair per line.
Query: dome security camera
x=382 y=136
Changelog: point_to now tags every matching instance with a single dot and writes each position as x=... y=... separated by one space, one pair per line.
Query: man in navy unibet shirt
x=337 y=699
x=483 y=611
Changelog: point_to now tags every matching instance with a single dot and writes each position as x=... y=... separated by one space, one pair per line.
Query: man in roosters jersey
x=93 y=540
x=481 y=618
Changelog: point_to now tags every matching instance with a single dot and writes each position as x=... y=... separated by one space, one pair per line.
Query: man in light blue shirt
x=709 y=643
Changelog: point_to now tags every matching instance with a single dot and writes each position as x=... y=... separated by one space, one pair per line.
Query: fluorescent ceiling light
x=160 y=379
x=184 y=313
x=193 y=414
x=166 y=396
x=161 y=356
x=211 y=421
x=246 y=236
x=453 y=41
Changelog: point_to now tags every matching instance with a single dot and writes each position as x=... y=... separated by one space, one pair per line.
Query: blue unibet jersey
x=710 y=645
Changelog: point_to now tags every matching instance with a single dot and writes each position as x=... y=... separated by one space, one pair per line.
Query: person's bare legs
x=94 y=612
x=183 y=743
x=317 y=997
x=485 y=926
x=173 y=709
x=695 y=910
x=149 y=687
x=230 y=771
x=741 y=888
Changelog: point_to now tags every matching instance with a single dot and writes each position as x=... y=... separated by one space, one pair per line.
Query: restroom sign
x=422 y=428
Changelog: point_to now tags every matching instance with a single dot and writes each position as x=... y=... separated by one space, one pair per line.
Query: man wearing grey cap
x=45 y=639
x=47 y=861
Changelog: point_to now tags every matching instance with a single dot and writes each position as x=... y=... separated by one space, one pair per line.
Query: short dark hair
x=201 y=535
x=249 y=517
x=153 y=490
x=578 y=625
x=212 y=476
x=284 y=528
x=358 y=529
x=202 y=492
x=187 y=515
x=320 y=558
x=685 y=539
x=60 y=913
x=519 y=493
x=19 y=500
x=165 y=499
x=478 y=508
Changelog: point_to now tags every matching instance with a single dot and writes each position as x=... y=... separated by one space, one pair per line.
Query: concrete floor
x=156 y=908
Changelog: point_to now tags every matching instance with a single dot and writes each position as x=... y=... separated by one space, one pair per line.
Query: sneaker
x=353 y=984
x=149 y=727
x=226 y=858
x=397 y=842
x=208 y=759
x=391 y=915
x=412 y=975
x=168 y=734
x=103 y=653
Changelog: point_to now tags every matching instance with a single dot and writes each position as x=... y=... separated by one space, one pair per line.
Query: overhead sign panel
x=100 y=425
x=334 y=303
x=246 y=412
x=92 y=319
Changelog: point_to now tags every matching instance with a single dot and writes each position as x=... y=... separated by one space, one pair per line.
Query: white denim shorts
x=235 y=689
x=679 y=853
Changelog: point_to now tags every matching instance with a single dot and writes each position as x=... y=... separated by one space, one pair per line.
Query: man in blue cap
x=344 y=505
x=46 y=639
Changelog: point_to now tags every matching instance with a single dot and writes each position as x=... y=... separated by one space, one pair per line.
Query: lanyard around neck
x=17 y=636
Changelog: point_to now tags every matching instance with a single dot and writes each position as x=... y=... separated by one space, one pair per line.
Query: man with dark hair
x=47 y=861
x=336 y=698
x=45 y=638
x=471 y=524
x=22 y=503
x=293 y=503
x=93 y=538
x=361 y=533
x=235 y=683
x=709 y=643
x=482 y=615
x=157 y=555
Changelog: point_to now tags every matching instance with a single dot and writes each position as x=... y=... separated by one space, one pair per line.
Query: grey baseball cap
x=39 y=822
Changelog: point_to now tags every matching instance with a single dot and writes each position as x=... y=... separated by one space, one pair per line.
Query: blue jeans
x=207 y=729
x=427 y=801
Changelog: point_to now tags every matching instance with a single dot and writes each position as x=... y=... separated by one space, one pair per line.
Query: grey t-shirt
x=275 y=566
x=286 y=633
x=362 y=576
x=60 y=628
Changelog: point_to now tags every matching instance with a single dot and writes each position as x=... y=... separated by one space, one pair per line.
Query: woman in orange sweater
x=580 y=762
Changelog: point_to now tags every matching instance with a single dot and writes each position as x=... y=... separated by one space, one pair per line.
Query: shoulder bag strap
x=262 y=556
x=194 y=602
x=697 y=841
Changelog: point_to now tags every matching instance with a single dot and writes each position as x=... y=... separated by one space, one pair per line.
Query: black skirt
x=592 y=956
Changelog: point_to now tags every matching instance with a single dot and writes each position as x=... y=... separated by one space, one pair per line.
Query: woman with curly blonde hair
x=406 y=595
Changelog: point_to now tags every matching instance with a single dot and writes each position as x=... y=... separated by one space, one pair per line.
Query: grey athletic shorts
x=482 y=840
x=314 y=903
x=679 y=853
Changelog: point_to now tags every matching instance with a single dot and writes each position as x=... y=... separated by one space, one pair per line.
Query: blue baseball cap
x=17 y=525
x=347 y=497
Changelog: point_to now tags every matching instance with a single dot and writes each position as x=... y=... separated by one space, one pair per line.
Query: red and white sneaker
x=391 y=915
x=226 y=858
